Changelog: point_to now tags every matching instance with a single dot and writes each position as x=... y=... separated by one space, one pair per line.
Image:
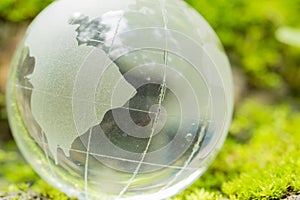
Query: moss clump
x=25 y=184
x=11 y=162
x=45 y=190
x=263 y=165
x=198 y=194
x=266 y=165
x=18 y=10
x=247 y=30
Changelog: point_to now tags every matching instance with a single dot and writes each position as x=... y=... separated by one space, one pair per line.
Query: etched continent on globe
x=54 y=111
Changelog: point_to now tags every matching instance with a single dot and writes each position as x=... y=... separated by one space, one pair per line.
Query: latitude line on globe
x=82 y=100
x=124 y=159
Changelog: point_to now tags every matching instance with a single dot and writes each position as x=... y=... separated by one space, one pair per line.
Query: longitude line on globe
x=161 y=97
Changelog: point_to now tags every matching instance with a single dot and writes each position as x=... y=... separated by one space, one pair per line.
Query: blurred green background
x=261 y=157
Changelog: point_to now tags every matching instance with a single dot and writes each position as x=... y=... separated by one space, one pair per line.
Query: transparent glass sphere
x=120 y=99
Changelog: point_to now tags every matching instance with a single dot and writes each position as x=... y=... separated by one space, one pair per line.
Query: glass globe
x=120 y=99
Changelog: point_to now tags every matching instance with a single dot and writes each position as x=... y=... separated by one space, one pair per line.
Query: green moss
x=25 y=184
x=266 y=165
x=198 y=194
x=18 y=10
x=273 y=181
x=247 y=30
x=260 y=158
x=49 y=192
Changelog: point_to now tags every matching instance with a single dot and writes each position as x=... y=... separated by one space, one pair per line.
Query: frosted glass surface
x=120 y=99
